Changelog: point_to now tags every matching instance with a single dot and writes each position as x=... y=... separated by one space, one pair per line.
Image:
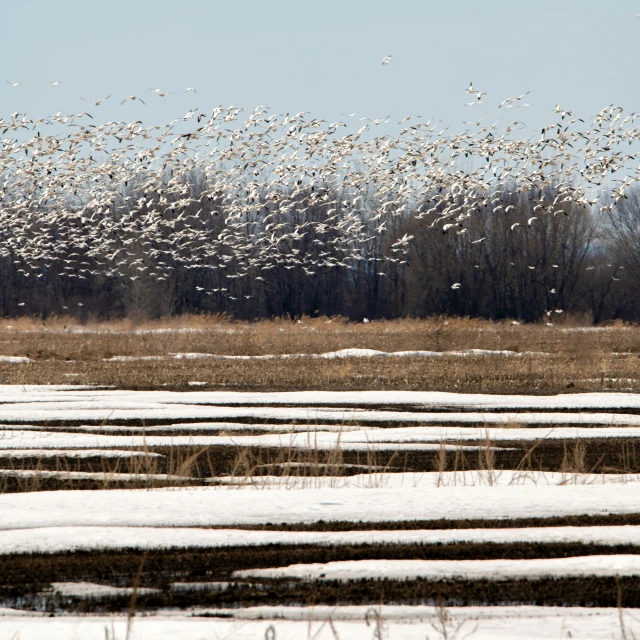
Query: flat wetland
x=120 y=444
x=542 y=359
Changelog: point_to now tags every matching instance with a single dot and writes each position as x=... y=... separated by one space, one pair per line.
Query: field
x=203 y=478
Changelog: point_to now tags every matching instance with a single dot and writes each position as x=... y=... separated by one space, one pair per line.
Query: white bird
x=55 y=84
x=190 y=89
x=12 y=84
x=97 y=103
x=386 y=60
x=477 y=122
x=133 y=98
x=161 y=93
x=456 y=285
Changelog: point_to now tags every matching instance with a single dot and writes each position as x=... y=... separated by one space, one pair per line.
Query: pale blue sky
x=322 y=57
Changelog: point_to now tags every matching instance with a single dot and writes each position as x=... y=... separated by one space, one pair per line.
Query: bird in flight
x=133 y=98
x=55 y=84
x=97 y=103
x=190 y=89
x=12 y=84
x=160 y=92
x=386 y=60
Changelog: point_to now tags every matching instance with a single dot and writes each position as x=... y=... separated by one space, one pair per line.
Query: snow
x=60 y=439
x=28 y=404
x=74 y=453
x=103 y=409
x=62 y=539
x=384 y=478
x=15 y=359
x=100 y=476
x=132 y=358
x=91 y=590
x=200 y=586
x=293 y=623
x=348 y=438
x=342 y=353
x=224 y=507
x=432 y=400
x=200 y=427
x=510 y=569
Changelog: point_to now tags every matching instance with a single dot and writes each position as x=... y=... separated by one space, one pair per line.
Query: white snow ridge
x=496 y=494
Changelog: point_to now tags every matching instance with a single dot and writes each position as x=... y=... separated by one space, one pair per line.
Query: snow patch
x=533 y=569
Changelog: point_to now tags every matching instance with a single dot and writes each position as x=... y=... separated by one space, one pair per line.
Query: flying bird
x=133 y=98
x=386 y=60
x=97 y=103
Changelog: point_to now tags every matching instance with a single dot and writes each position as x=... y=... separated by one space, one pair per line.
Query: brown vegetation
x=554 y=359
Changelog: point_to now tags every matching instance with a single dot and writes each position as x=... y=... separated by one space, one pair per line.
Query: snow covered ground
x=331 y=355
x=433 y=400
x=225 y=507
x=364 y=439
x=91 y=590
x=397 y=623
x=510 y=569
x=70 y=538
x=209 y=517
x=56 y=452
x=307 y=440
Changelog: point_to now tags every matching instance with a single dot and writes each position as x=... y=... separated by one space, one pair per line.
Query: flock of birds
x=243 y=195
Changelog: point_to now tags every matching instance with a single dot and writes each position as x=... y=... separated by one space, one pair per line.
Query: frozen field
x=522 y=511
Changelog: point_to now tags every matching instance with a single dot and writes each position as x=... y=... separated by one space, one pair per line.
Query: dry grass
x=289 y=467
x=63 y=353
x=181 y=466
x=304 y=468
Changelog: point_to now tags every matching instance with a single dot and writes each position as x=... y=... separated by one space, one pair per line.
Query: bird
x=477 y=122
x=98 y=102
x=216 y=198
x=13 y=84
x=562 y=112
x=133 y=98
x=160 y=92
x=55 y=84
x=190 y=89
x=386 y=60
x=456 y=285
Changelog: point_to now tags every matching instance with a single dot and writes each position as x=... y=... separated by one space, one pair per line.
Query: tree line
x=507 y=261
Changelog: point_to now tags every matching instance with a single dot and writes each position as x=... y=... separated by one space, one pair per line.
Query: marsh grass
x=303 y=467
x=550 y=360
x=309 y=466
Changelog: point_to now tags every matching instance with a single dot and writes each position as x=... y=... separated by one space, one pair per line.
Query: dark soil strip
x=598 y=455
x=25 y=577
x=609 y=520
x=12 y=484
